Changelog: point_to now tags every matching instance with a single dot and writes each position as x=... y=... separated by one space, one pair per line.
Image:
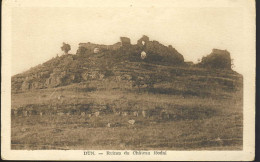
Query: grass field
x=190 y=112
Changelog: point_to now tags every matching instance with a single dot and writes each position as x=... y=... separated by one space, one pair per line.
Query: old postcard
x=128 y=80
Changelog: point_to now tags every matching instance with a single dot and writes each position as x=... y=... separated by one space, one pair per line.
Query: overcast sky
x=38 y=33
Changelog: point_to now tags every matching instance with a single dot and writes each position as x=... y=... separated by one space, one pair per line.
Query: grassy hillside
x=178 y=107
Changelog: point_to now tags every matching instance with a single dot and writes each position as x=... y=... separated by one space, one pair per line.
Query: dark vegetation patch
x=167 y=113
x=87 y=89
x=192 y=113
x=172 y=91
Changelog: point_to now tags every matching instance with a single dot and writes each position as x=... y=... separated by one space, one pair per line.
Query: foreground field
x=83 y=118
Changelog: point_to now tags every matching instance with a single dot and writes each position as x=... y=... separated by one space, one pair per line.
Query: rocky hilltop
x=122 y=60
x=104 y=94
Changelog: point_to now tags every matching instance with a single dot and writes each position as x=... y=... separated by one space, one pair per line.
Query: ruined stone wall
x=158 y=52
x=125 y=41
x=142 y=41
x=101 y=47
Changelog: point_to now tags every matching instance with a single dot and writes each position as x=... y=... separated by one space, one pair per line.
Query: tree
x=65 y=47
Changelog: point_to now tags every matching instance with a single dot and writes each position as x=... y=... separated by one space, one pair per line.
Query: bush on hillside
x=218 y=59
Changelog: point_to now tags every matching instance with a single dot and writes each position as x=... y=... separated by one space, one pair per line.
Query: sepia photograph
x=115 y=79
